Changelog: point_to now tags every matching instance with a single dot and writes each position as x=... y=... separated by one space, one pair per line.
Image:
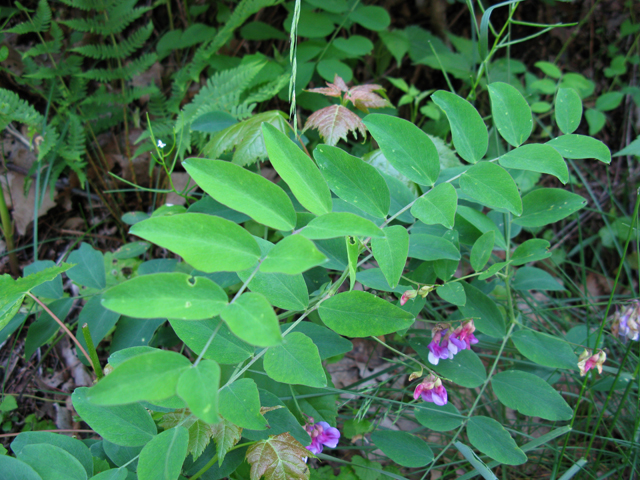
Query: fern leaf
x=73 y=148
x=126 y=73
x=49 y=141
x=38 y=23
x=123 y=49
x=269 y=90
x=14 y=109
x=51 y=46
x=119 y=18
x=87 y=5
x=335 y=122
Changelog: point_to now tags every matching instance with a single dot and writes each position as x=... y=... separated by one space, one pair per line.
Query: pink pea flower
x=463 y=337
x=431 y=390
x=587 y=361
x=321 y=435
x=439 y=347
x=408 y=295
x=626 y=324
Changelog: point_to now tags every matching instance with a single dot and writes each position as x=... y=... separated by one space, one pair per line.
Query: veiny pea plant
x=274 y=282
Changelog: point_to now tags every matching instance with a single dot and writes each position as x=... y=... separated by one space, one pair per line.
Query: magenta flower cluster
x=431 y=390
x=322 y=434
x=445 y=343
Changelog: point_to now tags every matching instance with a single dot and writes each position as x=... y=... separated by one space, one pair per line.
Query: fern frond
x=49 y=141
x=87 y=5
x=104 y=117
x=243 y=111
x=268 y=90
x=158 y=106
x=179 y=88
x=14 y=109
x=119 y=18
x=51 y=46
x=125 y=73
x=38 y=23
x=125 y=48
x=73 y=148
x=102 y=97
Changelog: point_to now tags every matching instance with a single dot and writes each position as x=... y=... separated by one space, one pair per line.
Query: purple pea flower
x=462 y=337
x=431 y=390
x=439 y=347
x=626 y=324
x=322 y=434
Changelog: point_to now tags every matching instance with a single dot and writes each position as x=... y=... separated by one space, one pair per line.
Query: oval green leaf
x=198 y=386
x=252 y=319
x=545 y=350
x=353 y=180
x=548 y=205
x=406 y=147
x=581 y=146
x=530 y=395
x=15 y=469
x=240 y=404
x=465 y=369
x=468 y=130
x=340 y=224
x=532 y=278
x=492 y=439
x=126 y=425
x=491 y=185
x=439 y=418
x=403 y=448
x=391 y=253
x=73 y=446
x=536 y=157
x=487 y=317
x=208 y=243
x=429 y=247
x=568 y=110
x=481 y=250
x=52 y=463
x=292 y=255
x=162 y=457
x=298 y=170
x=452 y=292
x=511 y=113
x=288 y=292
x=371 y=17
x=150 y=376
x=438 y=206
x=361 y=314
x=166 y=295
x=530 y=250
x=296 y=361
x=243 y=191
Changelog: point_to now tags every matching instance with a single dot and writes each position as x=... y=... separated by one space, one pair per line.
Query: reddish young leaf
x=334 y=123
x=363 y=97
x=278 y=458
x=334 y=89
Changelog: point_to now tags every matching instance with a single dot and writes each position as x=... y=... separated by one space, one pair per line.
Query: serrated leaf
x=536 y=157
x=245 y=138
x=278 y=458
x=225 y=434
x=200 y=433
x=334 y=123
x=511 y=113
x=298 y=171
x=469 y=132
x=438 y=206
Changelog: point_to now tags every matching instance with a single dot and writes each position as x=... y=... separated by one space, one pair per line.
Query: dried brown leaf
x=278 y=458
x=335 y=122
x=264 y=410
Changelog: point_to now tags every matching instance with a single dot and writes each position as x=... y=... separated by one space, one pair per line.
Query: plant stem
x=95 y=362
x=7 y=230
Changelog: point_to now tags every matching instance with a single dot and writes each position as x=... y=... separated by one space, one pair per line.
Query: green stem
x=7 y=230
x=95 y=362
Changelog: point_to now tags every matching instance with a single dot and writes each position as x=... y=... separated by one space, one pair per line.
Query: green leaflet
x=198 y=386
x=341 y=224
x=438 y=206
x=208 y=243
x=166 y=295
x=295 y=361
x=491 y=185
x=511 y=113
x=406 y=147
x=537 y=157
x=252 y=319
x=353 y=180
x=391 y=253
x=469 y=132
x=243 y=191
x=403 y=448
x=491 y=438
x=568 y=110
x=298 y=170
x=162 y=457
x=360 y=314
x=292 y=255
x=548 y=205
